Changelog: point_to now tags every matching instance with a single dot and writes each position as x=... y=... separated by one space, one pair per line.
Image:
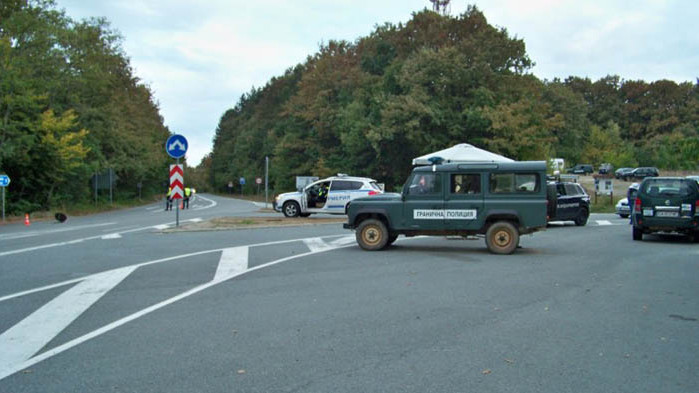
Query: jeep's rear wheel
x=372 y=235
x=291 y=209
x=581 y=219
x=502 y=238
x=637 y=233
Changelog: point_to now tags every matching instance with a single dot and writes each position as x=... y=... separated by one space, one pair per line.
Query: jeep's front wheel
x=372 y=234
x=502 y=238
x=291 y=209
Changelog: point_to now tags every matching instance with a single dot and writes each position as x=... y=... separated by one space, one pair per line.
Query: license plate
x=667 y=214
x=648 y=212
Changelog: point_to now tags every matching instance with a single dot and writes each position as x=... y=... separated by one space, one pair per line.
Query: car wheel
x=372 y=235
x=624 y=215
x=637 y=233
x=695 y=237
x=502 y=238
x=291 y=209
x=304 y=214
x=581 y=219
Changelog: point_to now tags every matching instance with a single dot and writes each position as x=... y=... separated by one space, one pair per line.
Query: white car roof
x=365 y=179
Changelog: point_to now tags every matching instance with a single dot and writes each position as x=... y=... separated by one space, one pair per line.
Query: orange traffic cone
x=26 y=220
x=181 y=205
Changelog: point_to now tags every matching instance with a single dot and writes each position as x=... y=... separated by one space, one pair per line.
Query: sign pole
x=266 y=175
x=177 y=208
x=3 y=204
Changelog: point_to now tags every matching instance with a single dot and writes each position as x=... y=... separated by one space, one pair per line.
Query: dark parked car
x=567 y=202
x=623 y=173
x=643 y=172
x=581 y=169
x=666 y=204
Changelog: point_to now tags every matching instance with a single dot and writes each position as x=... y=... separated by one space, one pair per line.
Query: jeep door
x=423 y=207
x=463 y=204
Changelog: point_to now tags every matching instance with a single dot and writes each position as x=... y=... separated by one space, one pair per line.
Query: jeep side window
x=425 y=183
x=465 y=184
x=502 y=183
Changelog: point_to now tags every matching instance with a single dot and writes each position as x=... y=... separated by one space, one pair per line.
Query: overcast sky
x=199 y=57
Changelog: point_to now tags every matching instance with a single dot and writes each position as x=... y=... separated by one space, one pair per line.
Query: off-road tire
x=291 y=209
x=582 y=217
x=502 y=238
x=372 y=235
x=637 y=233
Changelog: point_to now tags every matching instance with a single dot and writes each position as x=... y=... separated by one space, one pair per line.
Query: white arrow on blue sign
x=4 y=180
x=176 y=146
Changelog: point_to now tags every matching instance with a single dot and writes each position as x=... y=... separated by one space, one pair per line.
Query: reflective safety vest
x=187 y=192
x=169 y=191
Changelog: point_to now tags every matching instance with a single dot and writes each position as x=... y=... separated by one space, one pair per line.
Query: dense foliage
x=369 y=107
x=70 y=106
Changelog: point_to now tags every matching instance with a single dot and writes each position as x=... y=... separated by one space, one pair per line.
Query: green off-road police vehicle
x=500 y=200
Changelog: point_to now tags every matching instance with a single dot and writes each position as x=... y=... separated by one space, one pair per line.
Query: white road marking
x=111 y=236
x=604 y=222
x=26 y=338
x=50 y=245
x=211 y=204
x=20 y=235
x=153 y=208
x=317 y=244
x=233 y=261
x=16 y=359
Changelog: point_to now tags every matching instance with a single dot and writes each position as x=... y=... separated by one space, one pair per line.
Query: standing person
x=168 y=199
x=187 y=193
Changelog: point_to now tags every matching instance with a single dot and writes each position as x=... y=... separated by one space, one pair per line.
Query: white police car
x=329 y=196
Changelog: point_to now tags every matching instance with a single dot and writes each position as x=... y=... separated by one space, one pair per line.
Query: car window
x=340 y=185
x=355 y=185
x=465 y=184
x=560 y=189
x=571 y=189
x=425 y=184
x=581 y=191
x=375 y=186
x=513 y=182
x=667 y=187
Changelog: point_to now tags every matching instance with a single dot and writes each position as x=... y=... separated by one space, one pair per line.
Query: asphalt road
x=110 y=303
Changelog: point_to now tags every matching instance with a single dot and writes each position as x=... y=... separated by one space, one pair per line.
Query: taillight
x=637 y=205
x=374 y=193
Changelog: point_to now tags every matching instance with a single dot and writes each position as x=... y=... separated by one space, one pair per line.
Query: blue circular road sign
x=176 y=146
x=4 y=180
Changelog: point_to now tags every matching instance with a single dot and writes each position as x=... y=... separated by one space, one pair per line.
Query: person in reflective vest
x=187 y=194
x=168 y=197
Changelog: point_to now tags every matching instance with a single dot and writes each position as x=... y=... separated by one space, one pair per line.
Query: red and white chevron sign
x=176 y=181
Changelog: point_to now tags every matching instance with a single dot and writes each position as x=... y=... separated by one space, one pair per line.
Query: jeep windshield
x=667 y=187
